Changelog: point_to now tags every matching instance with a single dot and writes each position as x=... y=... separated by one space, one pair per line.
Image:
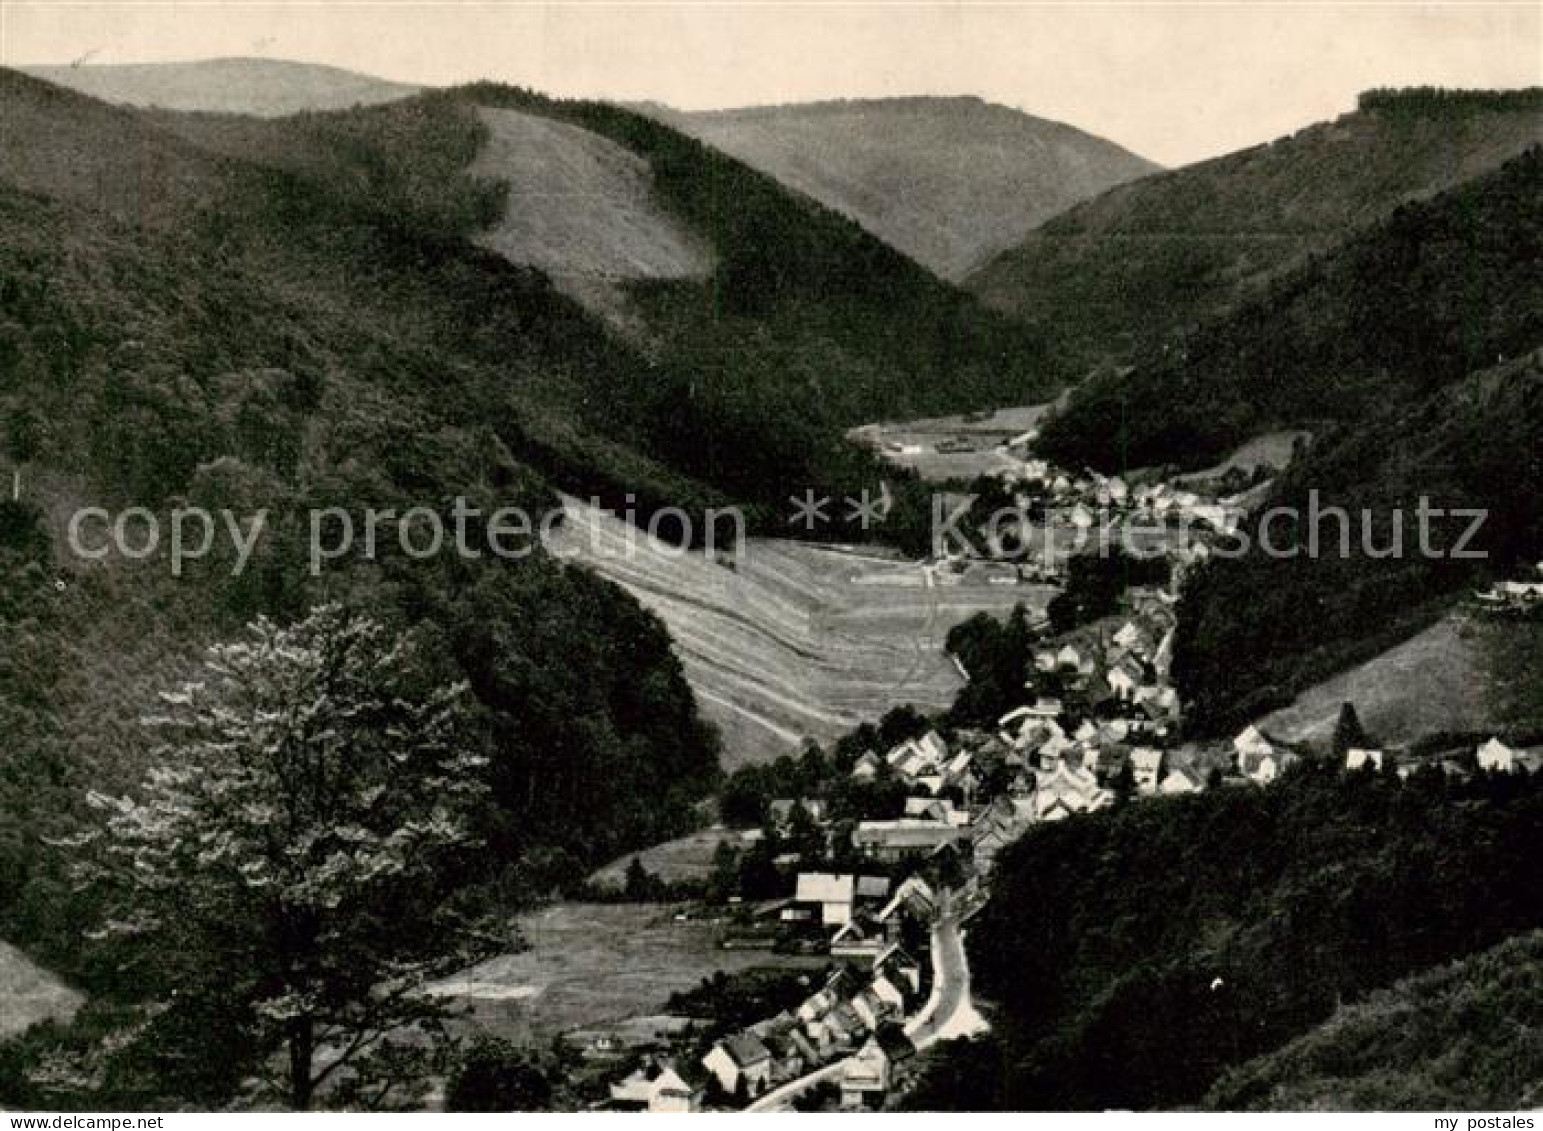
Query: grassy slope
x=1460 y=1037
x=949 y=181
x=29 y=994
x=1132 y=268
x=580 y=205
x=1435 y=681
x=795 y=642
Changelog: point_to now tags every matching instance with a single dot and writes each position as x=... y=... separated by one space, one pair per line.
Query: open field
x=1435 y=681
x=1272 y=449
x=589 y=962
x=685 y=858
x=914 y=443
x=796 y=641
x=29 y=994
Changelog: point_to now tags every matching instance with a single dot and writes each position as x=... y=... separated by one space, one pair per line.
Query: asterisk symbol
x=868 y=511
x=809 y=510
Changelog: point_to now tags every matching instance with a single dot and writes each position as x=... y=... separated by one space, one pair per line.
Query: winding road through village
x=948 y=1013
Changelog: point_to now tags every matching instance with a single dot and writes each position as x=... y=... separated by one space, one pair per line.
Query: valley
x=1201 y=808
x=952 y=449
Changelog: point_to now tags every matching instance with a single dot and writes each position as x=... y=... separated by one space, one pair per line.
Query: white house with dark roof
x=740 y=1063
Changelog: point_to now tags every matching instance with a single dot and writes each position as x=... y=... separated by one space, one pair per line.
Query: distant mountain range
x=1142 y=262
x=949 y=181
x=268 y=88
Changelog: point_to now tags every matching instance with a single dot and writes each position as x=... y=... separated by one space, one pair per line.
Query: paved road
x=951 y=986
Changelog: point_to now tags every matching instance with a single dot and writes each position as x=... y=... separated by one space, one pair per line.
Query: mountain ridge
x=947 y=179
x=229 y=84
x=1145 y=262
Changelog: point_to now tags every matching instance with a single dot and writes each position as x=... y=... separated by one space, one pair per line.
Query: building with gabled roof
x=1181 y=779
x=870 y=1074
x=1497 y=756
x=742 y=1064
x=1146 y=764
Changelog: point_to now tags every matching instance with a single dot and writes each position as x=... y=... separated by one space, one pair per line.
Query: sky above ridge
x=1174 y=82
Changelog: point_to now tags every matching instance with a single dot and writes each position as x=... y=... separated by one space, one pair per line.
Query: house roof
x=904 y=833
x=895 y=956
x=1181 y=779
x=894 y=1043
x=745 y=1049
x=673 y=1081
x=853 y=931
x=1356 y=757
x=1494 y=748
x=913 y=889
x=824 y=887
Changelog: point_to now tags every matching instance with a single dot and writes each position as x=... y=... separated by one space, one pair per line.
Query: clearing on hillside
x=580 y=208
x=1432 y=682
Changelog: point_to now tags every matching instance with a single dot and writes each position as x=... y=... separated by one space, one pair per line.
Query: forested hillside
x=1134 y=268
x=1473 y=451
x=292 y=314
x=748 y=378
x=1408 y=352
x=276 y=342
x=1134 y=957
x=1460 y=1037
x=1432 y=293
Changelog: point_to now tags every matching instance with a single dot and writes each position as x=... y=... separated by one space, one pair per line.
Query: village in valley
x=877 y=855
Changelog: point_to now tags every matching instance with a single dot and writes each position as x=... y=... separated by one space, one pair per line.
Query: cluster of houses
x=1085 y=499
x=1046 y=760
x=855 y=1018
x=1491 y=756
x=1513 y=597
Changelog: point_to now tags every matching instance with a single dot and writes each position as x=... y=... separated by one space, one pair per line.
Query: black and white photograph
x=567 y=558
